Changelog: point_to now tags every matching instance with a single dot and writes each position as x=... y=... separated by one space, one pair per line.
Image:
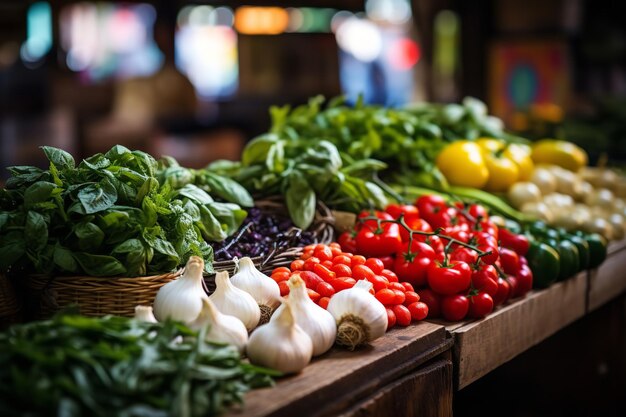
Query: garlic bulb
x=181 y=299
x=360 y=317
x=222 y=328
x=318 y=323
x=262 y=288
x=281 y=344
x=231 y=300
x=144 y=313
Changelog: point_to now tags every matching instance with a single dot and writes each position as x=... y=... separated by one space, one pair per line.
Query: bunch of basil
x=119 y=213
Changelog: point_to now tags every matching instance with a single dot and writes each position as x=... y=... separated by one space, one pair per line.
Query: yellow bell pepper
x=462 y=164
x=503 y=172
x=559 y=152
x=520 y=154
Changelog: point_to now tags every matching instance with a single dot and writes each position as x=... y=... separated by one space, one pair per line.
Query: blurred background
x=195 y=79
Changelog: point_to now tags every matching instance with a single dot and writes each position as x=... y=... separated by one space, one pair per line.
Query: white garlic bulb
x=318 y=323
x=360 y=317
x=262 y=288
x=144 y=313
x=222 y=328
x=231 y=300
x=281 y=344
x=181 y=299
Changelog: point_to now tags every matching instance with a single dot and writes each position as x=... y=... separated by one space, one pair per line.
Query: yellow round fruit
x=559 y=152
x=462 y=164
x=520 y=154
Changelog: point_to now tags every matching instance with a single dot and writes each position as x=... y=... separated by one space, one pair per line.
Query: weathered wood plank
x=425 y=393
x=481 y=346
x=340 y=378
x=609 y=279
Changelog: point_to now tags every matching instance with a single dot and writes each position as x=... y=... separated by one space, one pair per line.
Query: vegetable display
x=74 y=365
x=119 y=213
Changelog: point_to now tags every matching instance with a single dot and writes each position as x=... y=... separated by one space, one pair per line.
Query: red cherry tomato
x=454 y=307
x=463 y=254
x=412 y=266
x=416 y=224
x=342 y=270
x=281 y=276
x=309 y=263
x=281 y=269
x=373 y=242
x=297 y=265
x=448 y=280
x=375 y=264
x=357 y=260
x=478 y=212
x=342 y=260
x=432 y=300
x=524 y=281
x=411 y=297
x=400 y=297
x=390 y=275
x=492 y=254
x=428 y=205
x=325 y=289
x=510 y=261
x=480 y=305
x=313 y=295
x=385 y=296
x=347 y=242
x=379 y=282
x=284 y=288
x=503 y=294
x=407 y=286
x=311 y=279
x=324 y=273
x=403 y=315
x=342 y=283
x=323 y=252
x=418 y=310
x=391 y=318
x=362 y=272
x=323 y=302
x=513 y=284
x=388 y=262
x=485 y=279
x=395 y=210
x=518 y=243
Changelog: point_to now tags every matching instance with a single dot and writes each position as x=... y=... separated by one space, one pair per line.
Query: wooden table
x=414 y=370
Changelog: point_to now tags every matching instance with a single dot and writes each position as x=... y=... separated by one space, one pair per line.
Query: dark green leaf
x=98 y=197
x=64 y=259
x=210 y=227
x=59 y=157
x=195 y=193
x=228 y=189
x=89 y=235
x=99 y=265
x=39 y=192
x=300 y=201
x=35 y=231
x=257 y=149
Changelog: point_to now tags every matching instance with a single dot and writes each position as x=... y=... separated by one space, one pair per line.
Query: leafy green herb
x=74 y=365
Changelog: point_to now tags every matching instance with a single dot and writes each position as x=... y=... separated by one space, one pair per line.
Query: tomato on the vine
x=480 y=305
x=485 y=279
x=347 y=242
x=478 y=212
x=418 y=310
x=510 y=261
x=381 y=241
x=454 y=307
x=464 y=254
x=503 y=293
x=409 y=211
x=524 y=279
x=515 y=242
x=432 y=300
x=417 y=224
x=449 y=279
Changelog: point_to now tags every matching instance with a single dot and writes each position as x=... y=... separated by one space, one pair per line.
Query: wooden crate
x=609 y=280
x=341 y=380
x=483 y=345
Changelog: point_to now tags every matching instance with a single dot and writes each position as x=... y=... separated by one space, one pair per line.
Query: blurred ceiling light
x=251 y=20
x=360 y=38
x=38 y=32
x=392 y=11
x=339 y=17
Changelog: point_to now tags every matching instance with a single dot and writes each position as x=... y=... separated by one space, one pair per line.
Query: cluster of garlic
x=298 y=330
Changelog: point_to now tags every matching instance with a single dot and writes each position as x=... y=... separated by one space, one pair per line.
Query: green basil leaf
x=231 y=216
x=40 y=192
x=98 y=197
x=59 y=157
x=195 y=193
x=300 y=201
x=99 y=265
x=35 y=231
x=228 y=189
x=64 y=259
x=12 y=248
x=210 y=227
x=89 y=236
x=257 y=149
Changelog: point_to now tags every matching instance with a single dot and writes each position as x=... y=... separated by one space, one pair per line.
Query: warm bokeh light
x=261 y=20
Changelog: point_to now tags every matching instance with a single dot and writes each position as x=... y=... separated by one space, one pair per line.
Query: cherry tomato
x=483 y=238
x=524 y=281
x=510 y=261
x=478 y=212
x=491 y=257
x=281 y=276
x=410 y=297
x=385 y=296
x=428 y=205
x=323 y=302
x=342 y=259
x=448 y=280
x=375 y=264
x=388 y=262
x=391 y=318
x=434 y=242
x=342 y=283
x=395 y=210
x=400 y=297
x=373 y=242
x=432 y=300
x=489 y=227
x=313 y=295
x=323 y=252
x=403 y=315
x=325 y=289
x=513 y=284
x=342 y=270
x=407 y=286
x=357 y=260
x=418 y=310
x=281 y=269
x=284 y=288
x=347 y=242
x=309 y=263
x=416 y=224
x=362 y=272
x=456 y=233
x=442 y=218
x=297 y=265
x=379 y=282
x=467 y=255
x=324 y=273
x=454 y=307
x=412 y=266
x=390 y=275
x=515 y=242
x=504 y=291
x=485 y=279
x=311 y=279
x=480 y=305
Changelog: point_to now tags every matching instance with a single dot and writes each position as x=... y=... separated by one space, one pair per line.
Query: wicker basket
x=9 y=303
x=93 y=296
x=283 y=254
